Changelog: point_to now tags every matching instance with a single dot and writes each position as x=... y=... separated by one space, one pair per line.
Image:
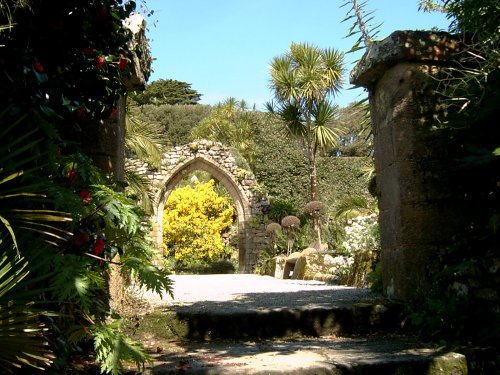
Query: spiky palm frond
x=22 y=343
x=284 y=80
x=306 y=74
x=20 y=215
x=333 y=61
x=326 y=130
x=22 y=194
x=352 y=207
x=292 y=117
x=145 y=140
x=138 y=188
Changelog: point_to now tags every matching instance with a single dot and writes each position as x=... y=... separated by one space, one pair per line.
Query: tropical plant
x=232 y=124
x=25 y=224
x=61 y=217
x=362 y=26
x=145 y=141
x=22 y=332
x=109 y=340
x=176 y=121
x=303 y=80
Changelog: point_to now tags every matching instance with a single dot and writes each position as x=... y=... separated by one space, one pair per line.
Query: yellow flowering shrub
x=194 y=219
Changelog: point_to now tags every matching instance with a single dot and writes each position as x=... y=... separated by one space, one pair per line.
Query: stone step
x=323 y=355
x=246 y=324
x=337 y=319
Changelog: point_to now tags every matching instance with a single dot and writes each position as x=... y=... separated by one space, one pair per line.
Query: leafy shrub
x=193 y=221
x=279 y=209
x=266 y=262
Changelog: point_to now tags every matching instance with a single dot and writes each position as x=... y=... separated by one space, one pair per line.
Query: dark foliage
x=167 y=91
x=177 y=120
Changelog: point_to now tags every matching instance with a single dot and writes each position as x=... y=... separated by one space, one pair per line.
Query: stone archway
x=217 y=160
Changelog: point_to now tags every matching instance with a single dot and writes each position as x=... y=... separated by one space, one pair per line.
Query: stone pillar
x=417 y=215
x=105 y=142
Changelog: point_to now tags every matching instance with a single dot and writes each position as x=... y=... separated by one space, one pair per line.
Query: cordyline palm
x=303 y=80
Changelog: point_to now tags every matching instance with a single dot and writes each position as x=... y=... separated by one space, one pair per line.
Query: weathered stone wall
x=217 y=160
x=417 y=215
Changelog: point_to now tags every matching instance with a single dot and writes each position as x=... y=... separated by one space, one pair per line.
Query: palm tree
x=303 y=80
x=145 y=141
x=232 y=123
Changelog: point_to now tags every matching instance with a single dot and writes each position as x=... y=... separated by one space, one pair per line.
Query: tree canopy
x=167 y=91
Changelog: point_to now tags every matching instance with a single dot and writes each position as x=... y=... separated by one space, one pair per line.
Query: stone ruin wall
x=216 y=159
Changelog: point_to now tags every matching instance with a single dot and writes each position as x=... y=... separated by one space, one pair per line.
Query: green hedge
x=282 y=167
x=279 y=163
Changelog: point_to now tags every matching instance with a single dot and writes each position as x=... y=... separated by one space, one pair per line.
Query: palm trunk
x=313 y=178
x=311 y=158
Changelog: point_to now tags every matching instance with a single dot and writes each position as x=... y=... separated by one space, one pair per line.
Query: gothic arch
x=217 y=160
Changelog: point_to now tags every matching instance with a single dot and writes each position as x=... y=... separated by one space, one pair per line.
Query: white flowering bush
x=361 y=234
x=340 y=266
x=360 y=250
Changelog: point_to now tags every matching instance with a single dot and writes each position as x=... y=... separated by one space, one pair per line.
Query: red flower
x=122 y=63
x=80 y=238
x=86 y=197
x=88 y=51
x=113 y=113
x=72 y=173
x=102 y=14
x=80 y=112
x=100 y=62
x=99 y=245
x=38 y=67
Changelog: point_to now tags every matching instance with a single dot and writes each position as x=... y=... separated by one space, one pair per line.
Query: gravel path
x=244 y=292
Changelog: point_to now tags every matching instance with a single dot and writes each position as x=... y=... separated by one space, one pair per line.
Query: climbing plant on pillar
x=67 y=58
x=62 y=64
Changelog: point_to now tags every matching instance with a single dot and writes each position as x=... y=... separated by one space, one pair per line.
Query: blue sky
x=223 y=47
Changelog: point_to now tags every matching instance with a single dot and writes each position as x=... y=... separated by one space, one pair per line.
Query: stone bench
x=294 y=266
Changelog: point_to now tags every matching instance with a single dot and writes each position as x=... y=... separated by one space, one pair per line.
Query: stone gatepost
x=417 y=214
x=105 y=142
